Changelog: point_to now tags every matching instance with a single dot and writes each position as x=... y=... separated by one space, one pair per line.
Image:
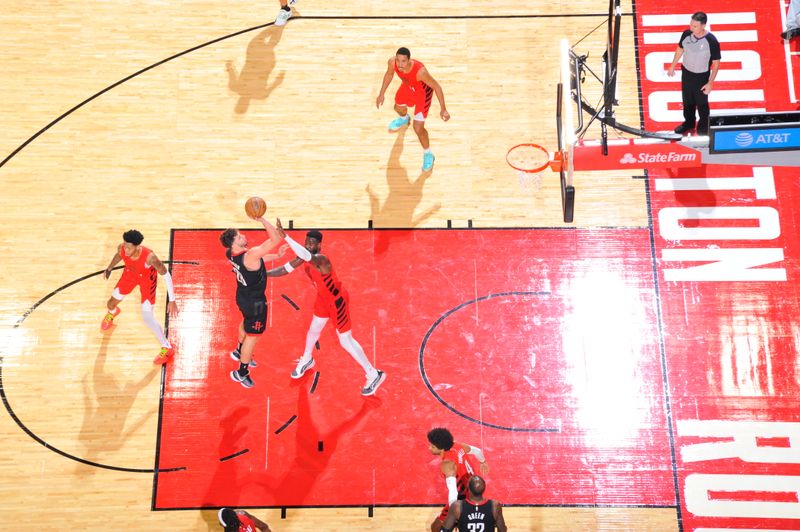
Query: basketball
x=255 y=207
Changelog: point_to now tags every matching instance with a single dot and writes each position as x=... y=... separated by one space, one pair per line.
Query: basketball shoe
x=399 y=122
x=108 y=321
x=164 y=355
x=283 y=17
x=236 y=355
x=302 y=367
x=427 y=161
x=245 y=381
x=371 y=385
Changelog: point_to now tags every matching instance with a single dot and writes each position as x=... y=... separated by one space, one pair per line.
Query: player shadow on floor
x=234 y=429
x=103 y=428
x=397 y=210
x=293 y=486
x=252 y=83
x=700 y=200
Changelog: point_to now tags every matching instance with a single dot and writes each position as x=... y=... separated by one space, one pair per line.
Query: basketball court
x=631 y=369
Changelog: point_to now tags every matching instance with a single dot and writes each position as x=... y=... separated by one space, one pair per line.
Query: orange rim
x=536 y=165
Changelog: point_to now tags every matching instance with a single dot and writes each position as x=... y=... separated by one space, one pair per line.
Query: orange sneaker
x=164 y=355
x=108 y=321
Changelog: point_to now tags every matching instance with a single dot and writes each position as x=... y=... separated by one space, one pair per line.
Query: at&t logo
x=743 y=139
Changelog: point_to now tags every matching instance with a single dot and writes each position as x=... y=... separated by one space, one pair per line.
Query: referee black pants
x=694 y=99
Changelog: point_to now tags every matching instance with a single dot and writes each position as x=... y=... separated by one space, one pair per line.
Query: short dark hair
x=477 y=485
x=229 y=519
x=228 y=236
x=404 y=51
x=441 y=438
x=133 y=237
x=314 y=234
x=700 y=17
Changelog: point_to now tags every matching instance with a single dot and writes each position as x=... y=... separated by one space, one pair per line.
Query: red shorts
x=337 y=308
x=146 y=283
x=420 y=99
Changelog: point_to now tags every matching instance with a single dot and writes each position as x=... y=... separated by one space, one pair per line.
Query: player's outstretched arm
x=286 y=269
x=477 y=453
x=114 y=261
x=155 y=262
x=299 y=249
x=269 y=244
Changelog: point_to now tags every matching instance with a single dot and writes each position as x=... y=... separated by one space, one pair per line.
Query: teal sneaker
x=427 y=161
x=399 y=122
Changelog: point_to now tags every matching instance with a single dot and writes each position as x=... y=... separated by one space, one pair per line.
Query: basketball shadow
x=252 y=83
x=397 y=210
x=313 y=451
x=103 y=428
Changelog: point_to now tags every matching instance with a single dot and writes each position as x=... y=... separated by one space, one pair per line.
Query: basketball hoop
x=529 y=160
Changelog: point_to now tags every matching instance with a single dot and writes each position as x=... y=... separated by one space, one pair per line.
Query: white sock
x=153 y=325
x=314 y=330
x=354 y=348
x=428 y=151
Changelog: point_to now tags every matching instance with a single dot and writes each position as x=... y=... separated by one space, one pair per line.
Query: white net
x=530 y=182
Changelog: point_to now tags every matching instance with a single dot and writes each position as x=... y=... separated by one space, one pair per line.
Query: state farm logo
x=666 y=157
x=743 y=139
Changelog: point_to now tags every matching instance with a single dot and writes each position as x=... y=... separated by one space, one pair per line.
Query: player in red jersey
x=141 y=269
x=240 y=521
x=456 y=468
x=416 y=90
x=332 y=301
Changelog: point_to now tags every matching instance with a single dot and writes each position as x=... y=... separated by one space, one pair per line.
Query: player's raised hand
x=279 y=227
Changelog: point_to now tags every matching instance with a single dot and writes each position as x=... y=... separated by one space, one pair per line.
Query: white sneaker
x=371 y=385
x=302 y=367
x=283 y=17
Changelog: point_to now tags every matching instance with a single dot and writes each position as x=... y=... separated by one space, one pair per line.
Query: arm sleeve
x=301 y=252
x=452 y=490
x=713 y=45
x=477 y=453
x=170 y=287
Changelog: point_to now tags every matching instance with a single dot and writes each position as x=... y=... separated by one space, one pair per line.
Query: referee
x=701 y=56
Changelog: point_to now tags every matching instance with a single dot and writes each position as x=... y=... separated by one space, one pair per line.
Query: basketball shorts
x=419 y=97
x=147 y=284
x=254 y=313
x=336 y=308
